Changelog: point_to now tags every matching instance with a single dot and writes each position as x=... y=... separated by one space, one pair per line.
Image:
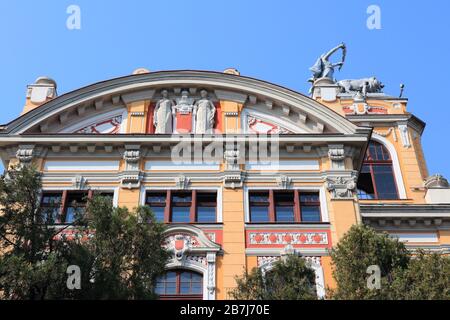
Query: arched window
x=180 y=285
x=377 y=180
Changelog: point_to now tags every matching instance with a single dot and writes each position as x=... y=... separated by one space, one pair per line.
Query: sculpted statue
x=162 y=116
x=367 y=85
x=204 y=112
x=324 y=68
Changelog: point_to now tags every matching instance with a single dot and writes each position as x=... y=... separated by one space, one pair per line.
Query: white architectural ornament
x=182 y=182
x=284 y=182
x=404 y=135
x=336 y=153
x=78 y=182
x=204 y=113
x=387 y=133
x=163 y=114
x=266 y=263
x=25 y=154
x=191 y=249
x=341 y=187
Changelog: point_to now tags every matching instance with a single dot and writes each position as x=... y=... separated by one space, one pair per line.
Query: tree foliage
x=118 y=251
x=404 y=275
x=290 y=279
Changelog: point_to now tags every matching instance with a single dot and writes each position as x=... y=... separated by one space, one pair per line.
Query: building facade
x=241 y=170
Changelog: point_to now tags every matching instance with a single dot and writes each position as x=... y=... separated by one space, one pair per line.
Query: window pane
x=285 y=214
x=206 y=214
x=309 y=197
x=259 y=197
x=259 y=214
x=366 y=190
x=311 y=214
x=384 y=180
x=181 y=214
x=51 y=199
x=156 y=198
x=73 y=213
x=209 y=197
x=50 y=214
x=159 y=213
x=197 y=288
x=182 y=197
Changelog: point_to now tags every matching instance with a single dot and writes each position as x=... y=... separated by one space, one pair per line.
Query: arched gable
x=294 y=112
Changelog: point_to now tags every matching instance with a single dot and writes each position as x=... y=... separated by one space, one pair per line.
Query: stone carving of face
x=164 y=93
x=204 y=94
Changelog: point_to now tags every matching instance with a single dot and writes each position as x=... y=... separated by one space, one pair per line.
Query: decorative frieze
x=287 y=238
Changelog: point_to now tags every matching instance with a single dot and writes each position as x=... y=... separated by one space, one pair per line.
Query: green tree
x=118 y=251
x=426 y=278
x=290 y=279
x=360 y=248
x=31 y=259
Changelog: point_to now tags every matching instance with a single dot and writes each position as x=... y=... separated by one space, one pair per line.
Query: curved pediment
x=102 y=107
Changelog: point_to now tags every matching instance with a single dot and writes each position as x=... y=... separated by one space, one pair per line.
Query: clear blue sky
x=274 y=40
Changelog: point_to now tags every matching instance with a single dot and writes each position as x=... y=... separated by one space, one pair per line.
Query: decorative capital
x=341 y=187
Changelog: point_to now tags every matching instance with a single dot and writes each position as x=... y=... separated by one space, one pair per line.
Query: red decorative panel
x=184 y=122
x=282 y=238
x=218 y=122
x=150 y=126
x=214 y=235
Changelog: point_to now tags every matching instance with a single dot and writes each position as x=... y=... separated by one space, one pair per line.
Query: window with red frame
x=180 y=285
x=196 y=206
x=276 y=206
x=63 y=207
x=376 y=180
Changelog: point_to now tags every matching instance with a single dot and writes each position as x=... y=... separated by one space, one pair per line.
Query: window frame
x=371 y=163
x=178 y=295
x=297 y=206
x=193 y=207
x=63 y=206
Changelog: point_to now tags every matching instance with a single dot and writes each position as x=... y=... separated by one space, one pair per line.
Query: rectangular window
x=284 y=207
x=65 y=207
x=157 y=203
x=75 y=206
x=310 y=207
x=206 y=207
x=259 y=206
x=181 y=207
x=51 y=207
x=384 y=180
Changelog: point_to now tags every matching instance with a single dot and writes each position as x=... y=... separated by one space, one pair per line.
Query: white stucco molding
x=193 y=250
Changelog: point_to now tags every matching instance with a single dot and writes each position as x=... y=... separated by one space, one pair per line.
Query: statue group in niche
x=203 y=112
